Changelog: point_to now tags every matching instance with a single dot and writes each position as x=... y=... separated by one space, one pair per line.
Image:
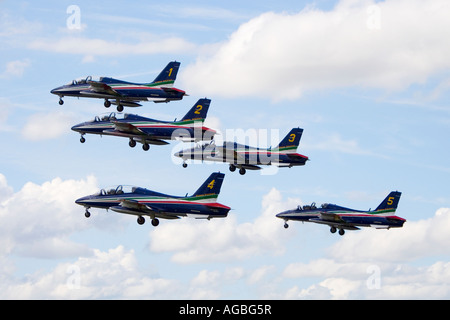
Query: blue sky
x=367 y=80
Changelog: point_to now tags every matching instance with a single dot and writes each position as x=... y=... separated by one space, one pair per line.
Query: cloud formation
x=388 y=45
x=37 y=220
x=226 y=239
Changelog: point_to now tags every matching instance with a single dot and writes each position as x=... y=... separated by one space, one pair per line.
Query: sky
x=368 y=81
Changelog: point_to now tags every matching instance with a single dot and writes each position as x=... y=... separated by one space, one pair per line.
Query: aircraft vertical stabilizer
x=211 y=187
x=290 y=142
x=168 y=76
x=198 y=112
x=390 y=202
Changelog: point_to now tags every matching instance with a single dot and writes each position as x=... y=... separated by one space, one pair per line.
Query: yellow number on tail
x=390 y=201
x=292 y=137
x=199 y=108
x=211 y=184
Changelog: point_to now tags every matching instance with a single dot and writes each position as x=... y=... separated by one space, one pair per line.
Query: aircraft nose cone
x=282 y=214
x=77 y=127
x=55 y=91
x=178 y=154
x=81 y=201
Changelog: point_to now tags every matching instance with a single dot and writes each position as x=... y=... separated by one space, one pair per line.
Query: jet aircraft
x=123 y=93
x=149 y=131
x=143 y=202
x=337 y=217
x=245 y=157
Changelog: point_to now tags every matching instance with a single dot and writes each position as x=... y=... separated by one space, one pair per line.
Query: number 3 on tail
x=292 y=137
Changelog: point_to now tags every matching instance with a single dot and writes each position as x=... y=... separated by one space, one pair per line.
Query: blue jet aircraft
x=143 y=202
x=246 y=157
x=123 y=93
x=149 y=131
x=337 y=217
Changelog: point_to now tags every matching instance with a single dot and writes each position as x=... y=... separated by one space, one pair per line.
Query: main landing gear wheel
x=155 y=222
x=232 y=168
x=120 y=108
x=333 y=229
x=107 y=103
x=341 y=232
x=242 y=171
x=132 y=143
x=141 y=220
x=145 y=146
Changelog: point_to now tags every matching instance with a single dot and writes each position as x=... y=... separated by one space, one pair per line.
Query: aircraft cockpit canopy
x=82 y=80
x=106 y=117
x=116 y=190
x=307 y=207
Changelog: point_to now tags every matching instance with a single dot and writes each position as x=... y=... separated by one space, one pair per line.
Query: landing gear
x=87 y=214
x=82 y=139
x=132 y=143
x=140 y=220
x=286 y=225
x=242 y=171
x=145 y=146
x=232 y=168
x=184 y=165
x=119 y=107
x=155 y=222
x=341 y=231
x=107 y=103
x=61 y=102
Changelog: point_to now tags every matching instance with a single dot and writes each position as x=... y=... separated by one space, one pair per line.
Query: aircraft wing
x=231 y=154
x=127 y=128
x=135 y=205
x=333 y=220
x=100 y=87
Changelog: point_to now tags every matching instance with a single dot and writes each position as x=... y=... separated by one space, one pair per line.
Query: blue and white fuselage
x=343 y=218
x=124 y=93
x=150 y=131
x=143 y=202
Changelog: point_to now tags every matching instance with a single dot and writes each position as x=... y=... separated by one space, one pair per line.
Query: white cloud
x=417 y=239
x=103 y=275
x=373 y=264
x=90 y=48
x=388 y=45
x=16 y=68
x=225 y=239
x=37 y=220
x=44 y=126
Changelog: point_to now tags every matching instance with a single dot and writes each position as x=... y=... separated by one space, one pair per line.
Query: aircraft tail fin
x=390 y=202
x=210 y=189
x=291 y=141
x=198 y=112
x=168 y=76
